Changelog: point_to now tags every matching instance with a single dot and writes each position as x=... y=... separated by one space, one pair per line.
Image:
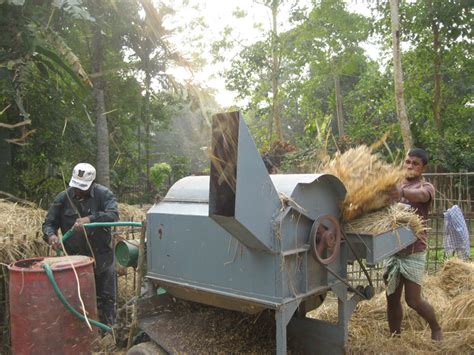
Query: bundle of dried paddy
x=367 y=178
x=457 y=276
x=389 y=218
x=460 y=313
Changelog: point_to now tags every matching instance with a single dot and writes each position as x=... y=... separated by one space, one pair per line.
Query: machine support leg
x=345 y=307
x=280 y=333
x=282 y=317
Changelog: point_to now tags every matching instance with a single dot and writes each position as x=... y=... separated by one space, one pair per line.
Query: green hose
x=66 y=304
x=50 y=275
x=102 y=224
x=70 y=232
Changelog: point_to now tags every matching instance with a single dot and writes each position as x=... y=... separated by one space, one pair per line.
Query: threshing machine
x=244 y=240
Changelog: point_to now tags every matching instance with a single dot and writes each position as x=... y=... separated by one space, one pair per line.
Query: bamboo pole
x=138 y=285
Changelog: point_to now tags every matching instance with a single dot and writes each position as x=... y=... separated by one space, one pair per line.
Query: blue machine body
x=188 y=249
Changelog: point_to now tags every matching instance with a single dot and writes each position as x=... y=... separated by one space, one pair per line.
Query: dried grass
x=20 y=232
x=457 y=277
x=389 y=218
x=126 y=286
x=460 y=314
x=131 y=213
x=226 y=142
x=368 y=328
x=367 y=178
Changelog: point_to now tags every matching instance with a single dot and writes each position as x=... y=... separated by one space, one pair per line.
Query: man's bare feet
x=437 y=334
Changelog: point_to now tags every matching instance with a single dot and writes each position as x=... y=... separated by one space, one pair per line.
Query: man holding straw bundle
x=406 y=268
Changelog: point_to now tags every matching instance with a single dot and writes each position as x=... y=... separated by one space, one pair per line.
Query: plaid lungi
x=411 y=267
x=456 y=235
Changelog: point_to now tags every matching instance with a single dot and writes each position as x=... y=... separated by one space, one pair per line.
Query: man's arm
x=53 y=217
x=419 y=195
x=422 y=194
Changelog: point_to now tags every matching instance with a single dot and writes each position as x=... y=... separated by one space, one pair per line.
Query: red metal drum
x=40 y=323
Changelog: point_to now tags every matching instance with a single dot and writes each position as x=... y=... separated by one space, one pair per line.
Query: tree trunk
x=101 y=127
x=437 y=78
x=275 y=72
x=398 y=77
x=339 y=114
x=147 y=125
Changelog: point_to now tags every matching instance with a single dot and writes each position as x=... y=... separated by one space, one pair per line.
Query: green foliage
x=158 y=173
x=179 y=167
x=38 y=80
x=451 y=21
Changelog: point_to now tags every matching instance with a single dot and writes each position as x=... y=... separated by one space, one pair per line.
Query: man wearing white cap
x=86 y=202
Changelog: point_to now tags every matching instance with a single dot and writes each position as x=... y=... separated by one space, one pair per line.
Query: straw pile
x=457 y=277
x=367 y=178
x=20 y=232
x=389 y=218
x=368 y=328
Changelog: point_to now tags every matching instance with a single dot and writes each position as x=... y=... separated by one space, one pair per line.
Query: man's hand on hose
x=78 y=225
x=53 y=240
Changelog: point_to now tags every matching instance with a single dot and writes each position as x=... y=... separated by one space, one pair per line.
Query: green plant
x=158 y=173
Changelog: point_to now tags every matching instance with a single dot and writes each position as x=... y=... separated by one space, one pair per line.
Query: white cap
x=82 y=177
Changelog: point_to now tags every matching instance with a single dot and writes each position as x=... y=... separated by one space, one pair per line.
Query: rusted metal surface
x=325 y=236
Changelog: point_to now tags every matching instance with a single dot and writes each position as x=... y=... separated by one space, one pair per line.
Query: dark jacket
x=99 y=206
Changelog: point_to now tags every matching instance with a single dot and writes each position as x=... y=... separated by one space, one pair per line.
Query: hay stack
x=20 y=232
x=367 y=178
x=460 y=314
x=454 y=306
x=368 y=328
x=457 y=277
